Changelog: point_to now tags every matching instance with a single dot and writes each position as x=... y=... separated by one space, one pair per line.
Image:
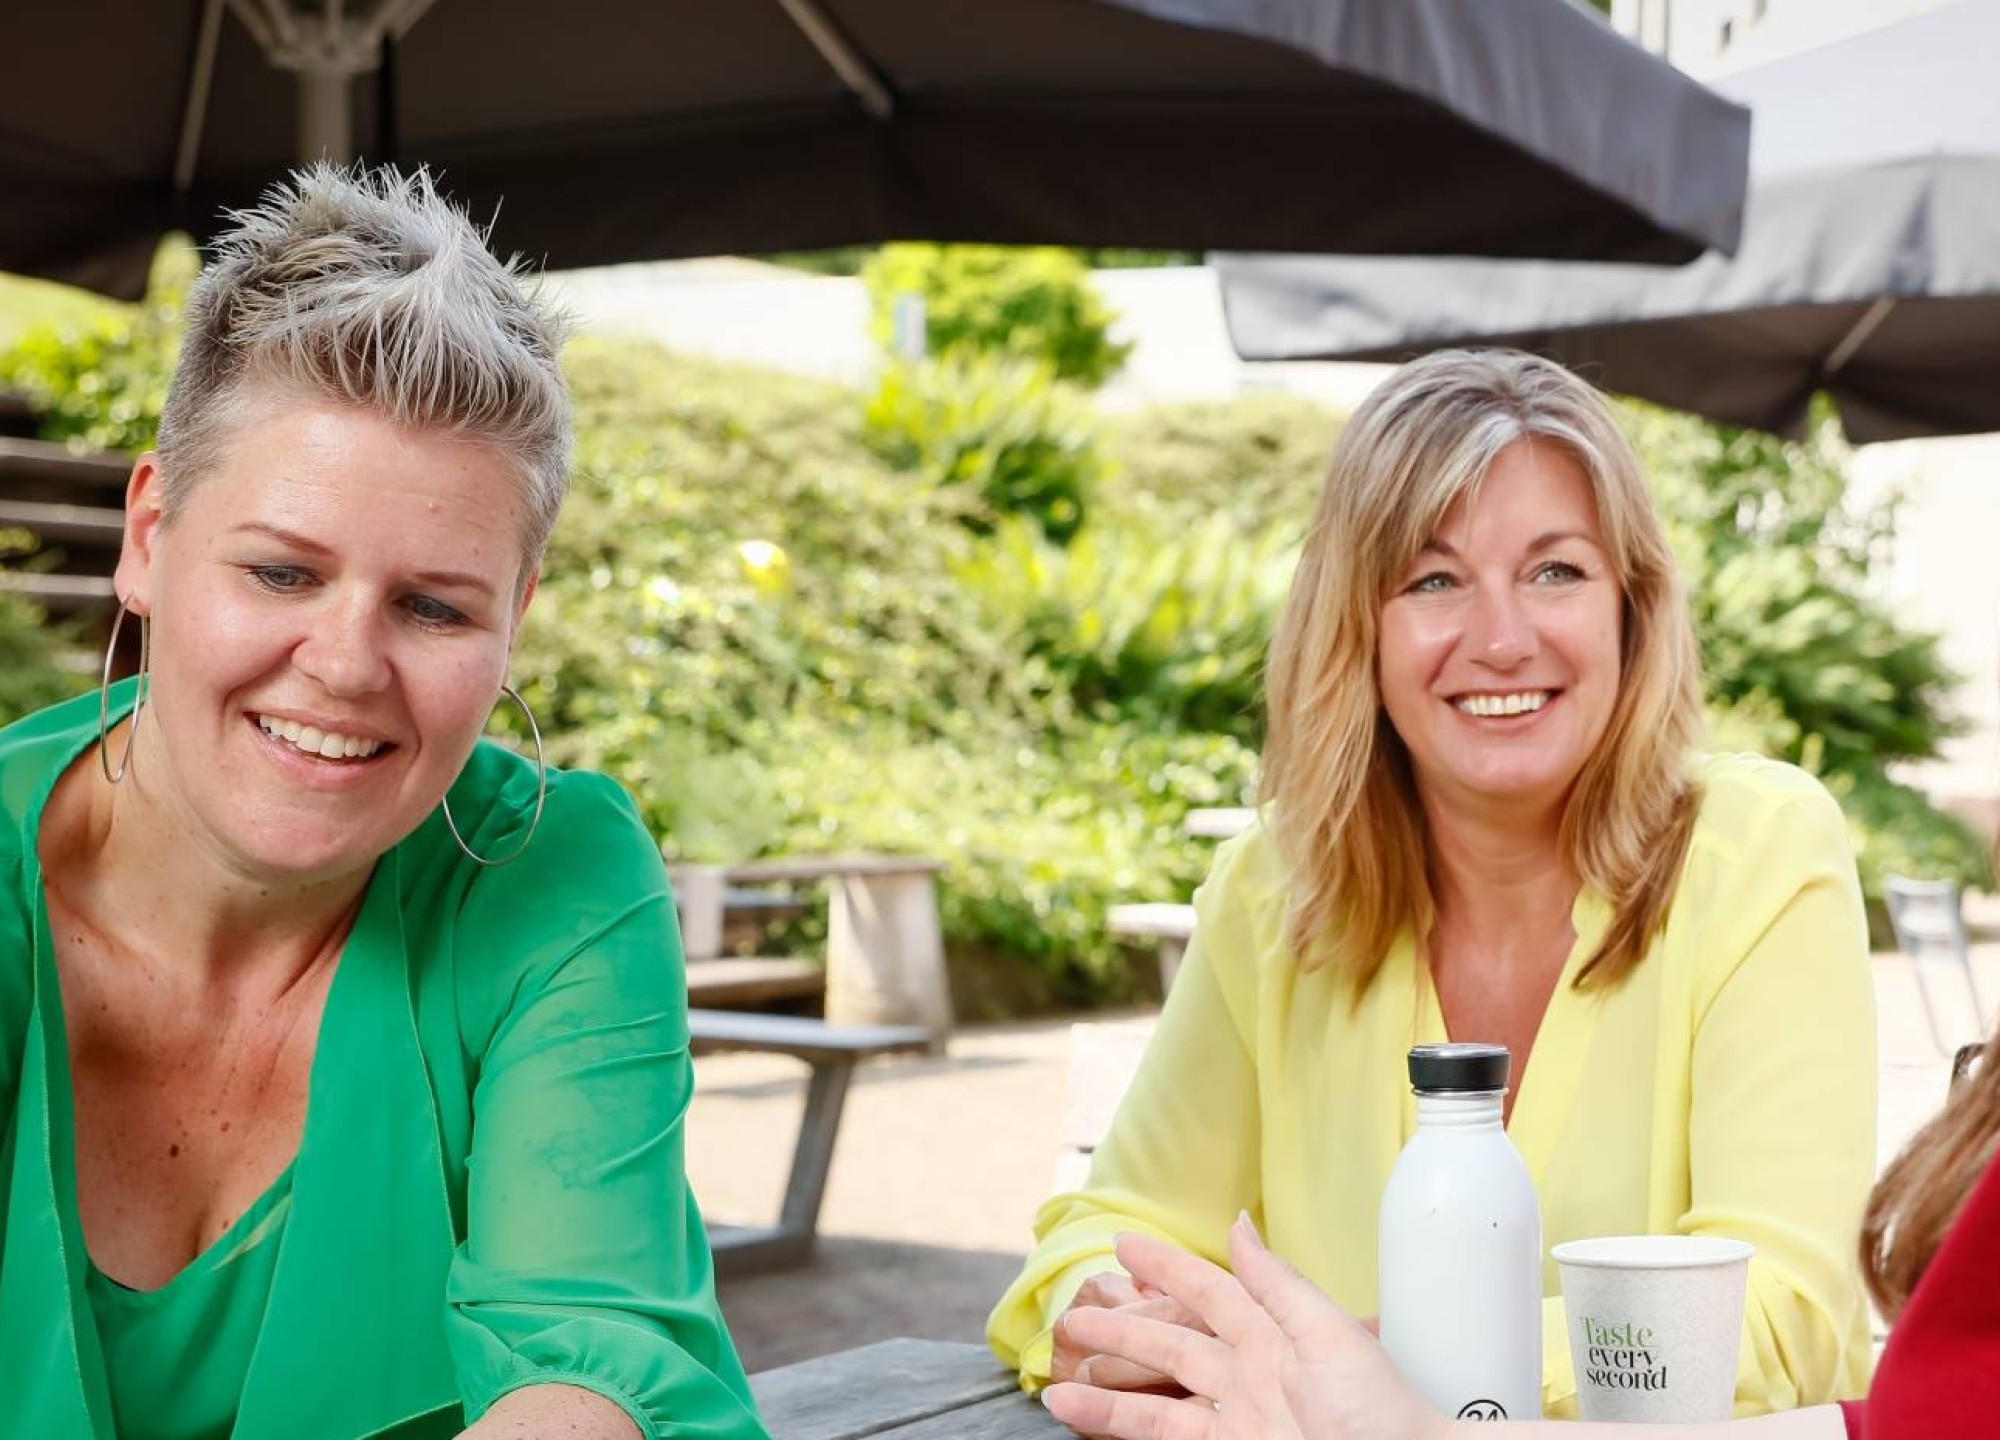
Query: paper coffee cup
x=1654 y=1325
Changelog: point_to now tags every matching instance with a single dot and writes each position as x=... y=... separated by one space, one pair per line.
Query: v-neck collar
x=353 y=1341
x=1544 y=1092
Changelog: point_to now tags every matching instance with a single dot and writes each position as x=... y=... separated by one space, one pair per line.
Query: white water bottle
x=1461 y=1245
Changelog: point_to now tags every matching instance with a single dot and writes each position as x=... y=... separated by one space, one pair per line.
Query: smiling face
x=1498 y=650
x=332 y=614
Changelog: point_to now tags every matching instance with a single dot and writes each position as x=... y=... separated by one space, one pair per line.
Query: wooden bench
x=831 y=1052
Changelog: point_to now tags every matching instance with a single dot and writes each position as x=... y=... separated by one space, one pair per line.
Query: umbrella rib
x=279 y=22
x=840 y=55
x=195 y=114
x=1858 y=334
x=254 y=21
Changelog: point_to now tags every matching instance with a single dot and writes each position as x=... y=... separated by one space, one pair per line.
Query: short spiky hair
x=368 y=288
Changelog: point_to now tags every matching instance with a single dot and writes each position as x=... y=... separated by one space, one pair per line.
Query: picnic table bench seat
x=1168 y=924
x=831 y=1052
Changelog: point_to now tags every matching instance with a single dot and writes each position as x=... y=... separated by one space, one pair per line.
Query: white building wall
x=1708 y=38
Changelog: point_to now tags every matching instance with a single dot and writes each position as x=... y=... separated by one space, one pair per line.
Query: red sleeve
x=1855 y=1413
x=1940 y=1374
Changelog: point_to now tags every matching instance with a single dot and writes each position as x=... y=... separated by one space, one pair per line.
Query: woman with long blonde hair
x=1290 y=1364
x=1484 y=818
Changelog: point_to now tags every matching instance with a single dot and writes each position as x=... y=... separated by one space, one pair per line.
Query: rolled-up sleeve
x=585 y=1260
x=1182 y=1155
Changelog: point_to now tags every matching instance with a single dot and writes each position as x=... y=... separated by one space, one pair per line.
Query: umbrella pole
x=326 y=49
x=326 y=128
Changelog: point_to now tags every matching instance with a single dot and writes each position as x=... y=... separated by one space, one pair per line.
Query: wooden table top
x=908 y=1389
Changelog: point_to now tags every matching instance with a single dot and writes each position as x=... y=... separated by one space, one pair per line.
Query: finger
x=1193 y=1359
x=1167 y=1308
x=1300 y=1308
x=1115 y=1372
x=1129 y=1417
x=1209 y=1291
x=1108 y=1288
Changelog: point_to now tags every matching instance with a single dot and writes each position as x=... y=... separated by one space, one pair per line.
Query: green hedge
x=793 y=620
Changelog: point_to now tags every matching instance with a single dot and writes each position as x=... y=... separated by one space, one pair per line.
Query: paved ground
x=942 y=1163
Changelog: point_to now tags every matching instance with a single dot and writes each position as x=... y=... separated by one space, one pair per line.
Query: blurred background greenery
x=967 y=613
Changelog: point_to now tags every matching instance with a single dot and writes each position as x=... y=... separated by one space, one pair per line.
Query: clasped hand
x=1260 y=1355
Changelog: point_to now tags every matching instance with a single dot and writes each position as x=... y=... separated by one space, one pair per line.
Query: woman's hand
x=1078 y=1361
x=1284 y=1362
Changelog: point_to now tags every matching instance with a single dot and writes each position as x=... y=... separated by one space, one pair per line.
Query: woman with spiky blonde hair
x=1484 y=818
x=343 y=1053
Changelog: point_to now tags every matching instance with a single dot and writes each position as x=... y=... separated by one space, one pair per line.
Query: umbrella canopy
x=1870 y=263
x=615 y=130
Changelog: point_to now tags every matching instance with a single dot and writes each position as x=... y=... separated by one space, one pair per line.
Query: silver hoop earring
x=541 y=793
x=104 y=695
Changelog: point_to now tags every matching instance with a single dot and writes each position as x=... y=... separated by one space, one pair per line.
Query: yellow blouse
x=1726 y=1087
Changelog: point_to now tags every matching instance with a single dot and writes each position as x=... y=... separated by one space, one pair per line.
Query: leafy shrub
x=1802 y=660
x=1040 y=833
x=1778 y=565
x=1258 y=459
x=1031 y=303
x=765 y=634
x=732 y=555
x=1899 y=832
x=33 y=668
x=99 y=385
x=1166 y=631
x=997 y=436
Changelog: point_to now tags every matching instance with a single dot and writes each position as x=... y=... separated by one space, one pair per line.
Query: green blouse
x=489 y=1190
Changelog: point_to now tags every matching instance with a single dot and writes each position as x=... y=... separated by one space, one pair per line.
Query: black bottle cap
x=1466 y=1069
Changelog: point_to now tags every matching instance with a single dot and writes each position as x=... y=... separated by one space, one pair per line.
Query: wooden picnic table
x=884 y=942
x=1168 y=924
x=907 y=1389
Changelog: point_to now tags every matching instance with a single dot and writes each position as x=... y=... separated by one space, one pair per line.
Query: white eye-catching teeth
x=1520 y=703
x=327 y=744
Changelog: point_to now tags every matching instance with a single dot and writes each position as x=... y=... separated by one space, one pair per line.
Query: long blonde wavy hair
x=1922 y=1192
x=1337 y=786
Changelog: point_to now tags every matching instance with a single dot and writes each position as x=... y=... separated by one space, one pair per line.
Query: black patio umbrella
x=1870 y=263
x=612 y=130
